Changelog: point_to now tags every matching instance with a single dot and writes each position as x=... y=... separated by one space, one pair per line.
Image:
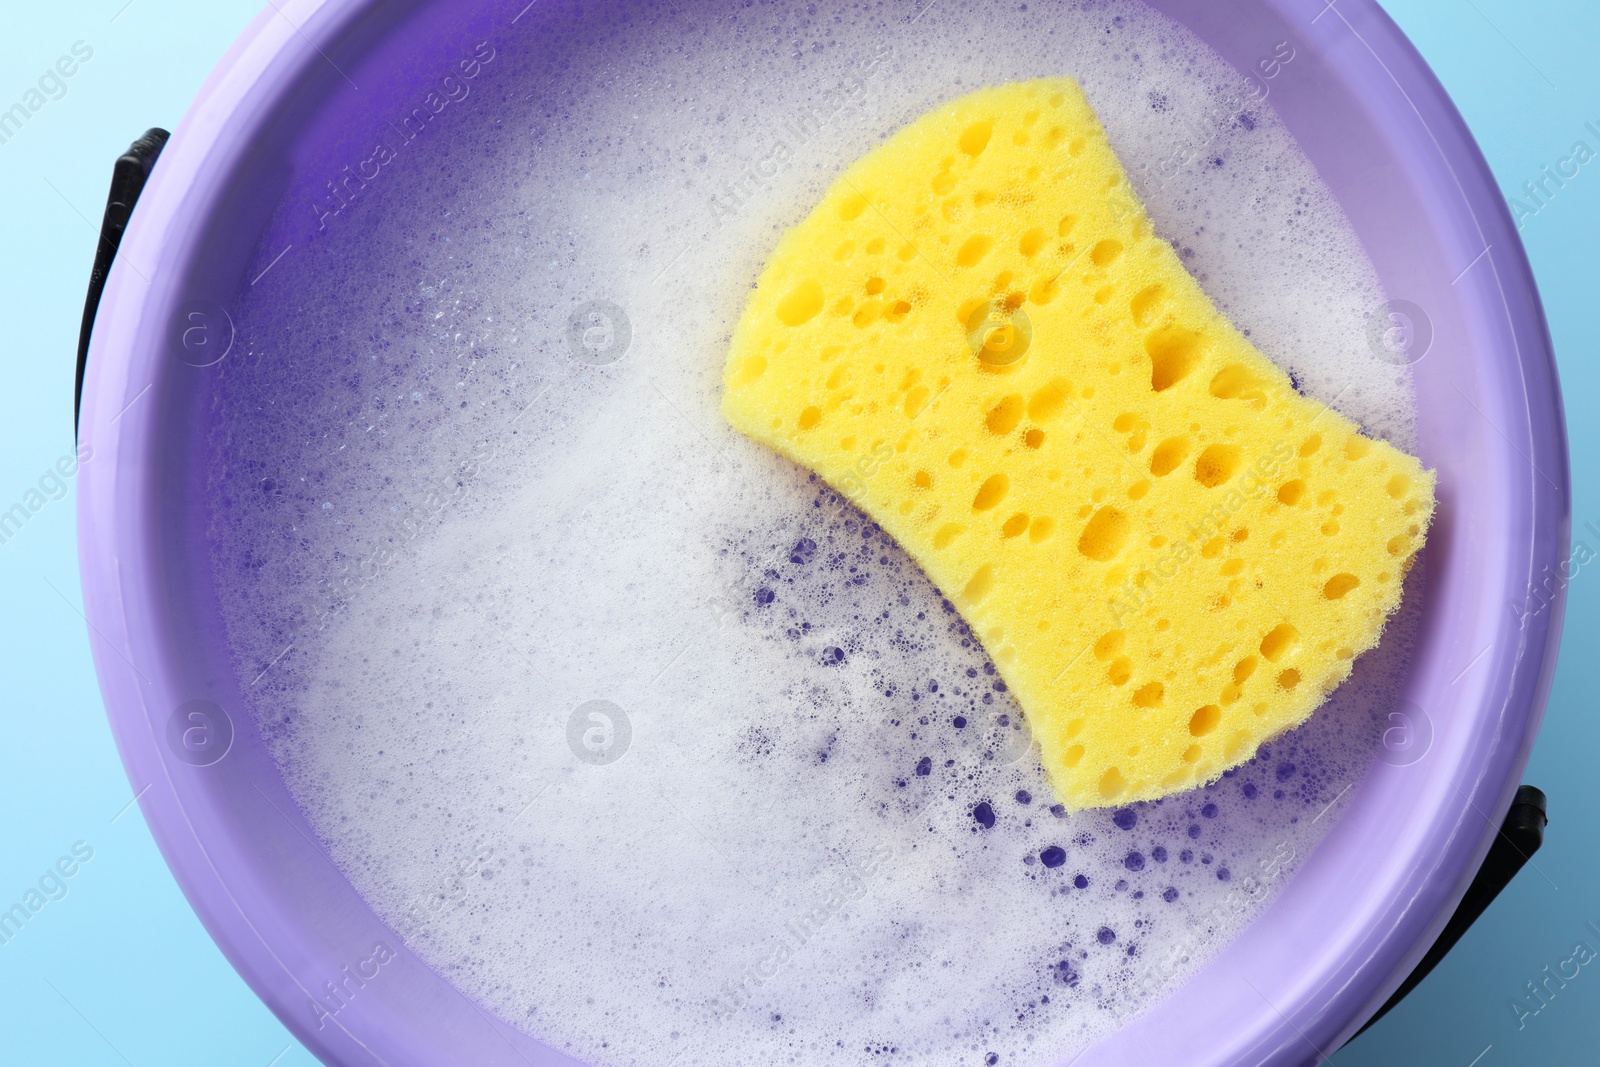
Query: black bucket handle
x=128 y=176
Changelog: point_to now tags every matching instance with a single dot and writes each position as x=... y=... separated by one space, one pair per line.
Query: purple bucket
x=1295 y=985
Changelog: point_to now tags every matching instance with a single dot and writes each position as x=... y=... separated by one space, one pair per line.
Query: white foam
x=463 y=535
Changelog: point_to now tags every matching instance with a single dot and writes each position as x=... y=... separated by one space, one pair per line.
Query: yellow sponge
x=1169 y=553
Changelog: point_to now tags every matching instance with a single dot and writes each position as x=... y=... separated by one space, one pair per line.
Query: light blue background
x=121 y=972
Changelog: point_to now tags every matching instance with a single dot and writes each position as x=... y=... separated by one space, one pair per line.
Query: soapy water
x=643 y=737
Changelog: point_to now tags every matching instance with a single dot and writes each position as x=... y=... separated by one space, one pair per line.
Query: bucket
x=286 y=112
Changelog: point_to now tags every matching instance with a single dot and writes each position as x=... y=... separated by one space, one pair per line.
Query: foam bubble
x=640 y=735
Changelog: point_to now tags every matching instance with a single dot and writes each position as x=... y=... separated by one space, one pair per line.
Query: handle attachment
x=128 y=176
x=1520 y=837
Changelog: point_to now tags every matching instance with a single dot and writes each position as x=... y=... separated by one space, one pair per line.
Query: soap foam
x=818 y=834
